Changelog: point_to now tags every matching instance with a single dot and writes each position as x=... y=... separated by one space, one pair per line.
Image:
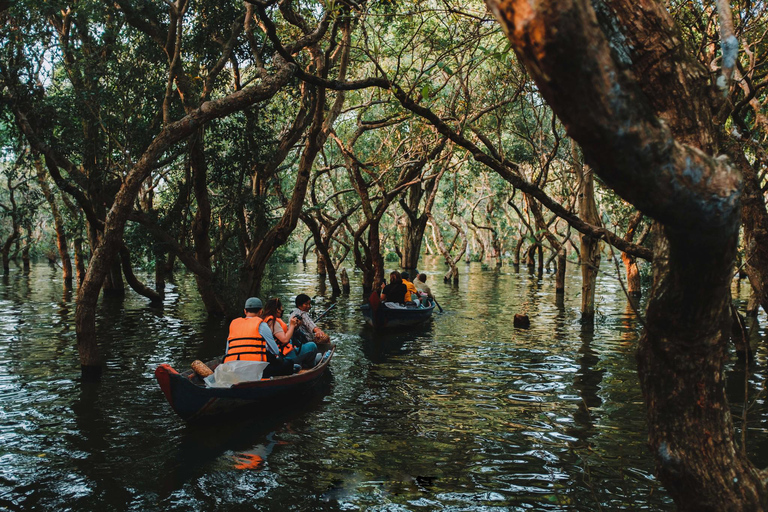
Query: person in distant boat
x=423 y=287
x=395 y=291
x=307 y=330
x=412 y=294
x=292 y=350
x=250 y=339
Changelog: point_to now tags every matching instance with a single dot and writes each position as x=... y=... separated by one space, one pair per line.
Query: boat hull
x=192 y=401
x=386 y=318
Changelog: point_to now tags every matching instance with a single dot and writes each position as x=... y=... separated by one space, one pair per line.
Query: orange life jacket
x=285 y=349
x=412 y=292
x=244 y=342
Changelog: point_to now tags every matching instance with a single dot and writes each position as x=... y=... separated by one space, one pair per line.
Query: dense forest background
x=216 y=137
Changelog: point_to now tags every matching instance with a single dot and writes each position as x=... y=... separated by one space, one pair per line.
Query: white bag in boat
x=228 y=374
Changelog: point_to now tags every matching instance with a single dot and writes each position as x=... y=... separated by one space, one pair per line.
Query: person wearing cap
x=250 y=339
x=412 y=293
x=307 y=330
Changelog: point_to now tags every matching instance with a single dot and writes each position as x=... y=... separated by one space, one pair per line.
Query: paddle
x=438 y=305
x=325 y=312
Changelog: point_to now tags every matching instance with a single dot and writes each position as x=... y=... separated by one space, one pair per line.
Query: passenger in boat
x=423 y=287
x=250 y=339
x=307 y=330
x=293 y=350
x=412 y=294
x=395 y=291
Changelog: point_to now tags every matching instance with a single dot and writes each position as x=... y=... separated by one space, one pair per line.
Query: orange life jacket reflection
x=284 y=349
x=244 y=342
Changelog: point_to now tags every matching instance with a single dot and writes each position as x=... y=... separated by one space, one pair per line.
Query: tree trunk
x=630 y=262
x=58 y=223
x=560 y=272
x=668 y=171
x=590 y=247
x=77 y=244
x=25 y=251
x=133 y=281
x=412 y=239
x=201 y=225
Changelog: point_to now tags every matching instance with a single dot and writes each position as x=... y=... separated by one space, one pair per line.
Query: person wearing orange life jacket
x=250 y=339
x=412 y=293
x=293 y=350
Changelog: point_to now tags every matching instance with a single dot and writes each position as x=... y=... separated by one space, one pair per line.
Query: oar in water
x=325 y=312
x=438 y=305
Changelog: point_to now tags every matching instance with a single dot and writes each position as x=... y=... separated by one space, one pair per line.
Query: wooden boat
x=379 y=316
x=192 y=400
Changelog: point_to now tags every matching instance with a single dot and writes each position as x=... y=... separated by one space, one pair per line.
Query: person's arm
x=266 y=333
x=284 y=337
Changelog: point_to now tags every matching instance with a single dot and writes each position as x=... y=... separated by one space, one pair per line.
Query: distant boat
x=192 y=400
x=379 y=316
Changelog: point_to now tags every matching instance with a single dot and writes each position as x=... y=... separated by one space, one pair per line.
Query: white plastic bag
x=228 y=374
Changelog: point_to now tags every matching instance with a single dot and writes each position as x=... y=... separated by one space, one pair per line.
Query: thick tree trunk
x=201 y=225
x=668 y=171
x=77 y=245
x=412 y=239
x=104 y=253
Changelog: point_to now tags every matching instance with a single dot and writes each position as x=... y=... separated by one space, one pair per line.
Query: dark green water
x=466 y=413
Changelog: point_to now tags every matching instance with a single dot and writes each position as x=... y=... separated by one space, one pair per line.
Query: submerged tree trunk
x=630 y=262
x=612 y=114
x=27 y=245
x=590 y=247
x=58 y=223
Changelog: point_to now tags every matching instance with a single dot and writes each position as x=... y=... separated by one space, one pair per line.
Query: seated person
x=412 y=294
x=395 y=291
x=295 y=352
x=307 y=330
x=423 y=287
x=250 y=339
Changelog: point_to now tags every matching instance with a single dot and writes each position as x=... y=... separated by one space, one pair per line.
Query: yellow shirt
x=411 y=290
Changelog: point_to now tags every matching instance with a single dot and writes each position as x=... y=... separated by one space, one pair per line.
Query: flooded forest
x=580 y=185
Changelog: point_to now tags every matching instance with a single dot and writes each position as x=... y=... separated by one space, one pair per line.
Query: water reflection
x=464 y=413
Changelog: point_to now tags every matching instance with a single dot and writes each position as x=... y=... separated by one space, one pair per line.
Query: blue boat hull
x=191 y=400
x=384 y=317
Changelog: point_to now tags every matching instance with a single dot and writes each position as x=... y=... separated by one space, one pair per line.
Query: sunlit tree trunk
x=630 y=262
x=590 y=247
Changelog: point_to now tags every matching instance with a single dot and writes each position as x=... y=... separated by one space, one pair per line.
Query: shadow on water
x=246 y=439
x=378 y=345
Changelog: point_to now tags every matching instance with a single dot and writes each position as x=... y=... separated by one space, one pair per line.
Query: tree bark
x=58 y=224
x=669 y=172
x=590 y=247
x=104 y=254
x=630 y=262
x=201 y=225
x=133 y=281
